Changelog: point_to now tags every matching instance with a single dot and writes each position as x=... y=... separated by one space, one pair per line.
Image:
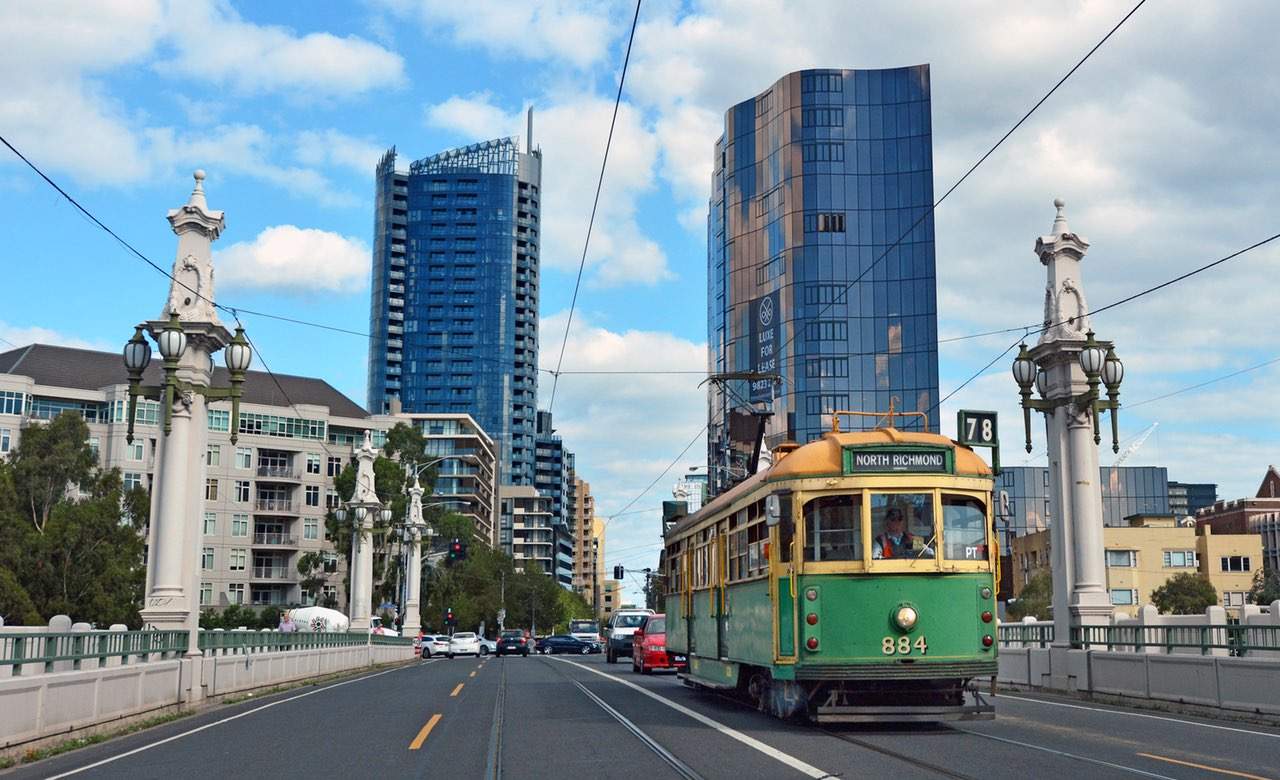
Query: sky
x=1162 y=145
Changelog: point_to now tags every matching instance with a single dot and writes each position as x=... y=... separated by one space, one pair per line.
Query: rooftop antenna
x=529 y=135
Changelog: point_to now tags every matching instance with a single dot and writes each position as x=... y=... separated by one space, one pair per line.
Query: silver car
x=464 y=643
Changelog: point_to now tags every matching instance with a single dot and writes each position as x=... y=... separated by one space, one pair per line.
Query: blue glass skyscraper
x=454 y=303
x=815 y=181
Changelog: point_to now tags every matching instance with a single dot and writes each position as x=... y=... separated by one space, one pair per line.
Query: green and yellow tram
x=852 y=581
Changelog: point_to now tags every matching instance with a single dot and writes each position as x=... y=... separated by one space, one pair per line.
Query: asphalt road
x=576 y=716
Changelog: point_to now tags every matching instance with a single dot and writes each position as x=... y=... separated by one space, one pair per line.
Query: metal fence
x=42 y=650
x=1236 y=639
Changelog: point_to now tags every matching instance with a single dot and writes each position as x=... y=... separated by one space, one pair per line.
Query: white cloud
x=557 y=30
x=572 y=134
x=293 y=259
x=214 y=44
x=335 y=148
x=12 y=336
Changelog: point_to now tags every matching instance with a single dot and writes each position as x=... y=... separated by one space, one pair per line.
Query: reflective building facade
x=816 y=179
x=454 y=301
x=1026 y=503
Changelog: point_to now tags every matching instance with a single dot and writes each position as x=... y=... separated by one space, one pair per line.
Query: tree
x=1266 y=587
x=655 y=592
x=311 y=568
x=16 y=607
x=69 y=533
x=1185 y=594
x=1035 y=600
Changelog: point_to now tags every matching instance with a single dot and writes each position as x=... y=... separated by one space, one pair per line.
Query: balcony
x=274 y=505
x=274 y=539
x=395 y=344
x=278 y=472
x=272 y=572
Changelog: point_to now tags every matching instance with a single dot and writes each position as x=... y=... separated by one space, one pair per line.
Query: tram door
x=687 y=596
x=720 y=551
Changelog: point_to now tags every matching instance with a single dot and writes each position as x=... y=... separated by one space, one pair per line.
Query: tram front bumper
x=846 y=714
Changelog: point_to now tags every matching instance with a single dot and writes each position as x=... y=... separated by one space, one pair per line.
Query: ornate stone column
x=365 y=504
x=412 y=607
x=177 y=497
x=1080 y=596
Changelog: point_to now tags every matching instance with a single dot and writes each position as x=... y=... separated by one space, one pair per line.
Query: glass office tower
x=454 y=301
x=823 y=179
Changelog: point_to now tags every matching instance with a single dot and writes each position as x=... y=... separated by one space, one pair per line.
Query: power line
x=617 y=101
x=670 y=466
x=843 y=295
x=1206 y=383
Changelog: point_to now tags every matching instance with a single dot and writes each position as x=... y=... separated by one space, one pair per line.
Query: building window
x=133 y=452
x=210 y=523
x=824 y=223
x=829 y=330
x=329 y=594
x=206 y=594
x=244 y=458
x=213 y=455
x=335 y=466
x=1235 y=563
x=242 y=490
x=132 y=480
x=822 y=152
x=239 y=525
x=235 y=592
x=11 y=402
x=313 y=463
x=219 y=420
x=311 y=528
x=313 y=495
x=6 y=441
x=826 y=367
x=236 y=559
x=822 y=82
x=1124 y=596
x=1180 y=559
x=211 y=490
x=816 y=294
x=1233 y=598
x=826 y=404
x=206 y=558
x=1125 y=559
x=331 y=499
x=822 y=117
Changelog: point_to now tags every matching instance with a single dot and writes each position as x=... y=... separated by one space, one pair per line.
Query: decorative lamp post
x=1066 y=368
x=364 y=507
x=415 y=529
x=187 y=334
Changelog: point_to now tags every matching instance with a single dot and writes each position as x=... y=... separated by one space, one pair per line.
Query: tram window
x=902 y=525
x=833 y=528
x=964 y=528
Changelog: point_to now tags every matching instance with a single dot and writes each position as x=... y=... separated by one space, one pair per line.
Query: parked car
x=563 y=643
x=649 y=648
x=488 y=646
x=622 y=624
x=464 y=643
x=434 y=644
x=514 y=641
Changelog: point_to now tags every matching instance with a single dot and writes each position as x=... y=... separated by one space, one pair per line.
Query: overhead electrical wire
x=595 y=203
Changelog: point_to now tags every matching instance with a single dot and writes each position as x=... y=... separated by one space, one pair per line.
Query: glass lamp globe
x=1112 y=370
x=238 y=354
x=172 y=341
x=385 y=514
x=361 y=513
x=341 y=514
x=137 y=352
x=1092 y=356
x=1024 y=369
x=1042 y=382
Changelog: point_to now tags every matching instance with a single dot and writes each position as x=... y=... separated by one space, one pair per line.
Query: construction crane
x=1137 y=443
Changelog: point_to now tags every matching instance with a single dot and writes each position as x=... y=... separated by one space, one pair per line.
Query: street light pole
x=1066 y=367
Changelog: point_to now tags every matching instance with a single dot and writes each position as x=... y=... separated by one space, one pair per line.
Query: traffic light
x=456 y=551
x=449 y=619
x=619 y=571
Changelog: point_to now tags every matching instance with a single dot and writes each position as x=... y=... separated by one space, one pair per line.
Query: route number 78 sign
x=976 y=428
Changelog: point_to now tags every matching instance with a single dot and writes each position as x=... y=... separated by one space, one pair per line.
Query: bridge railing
x=250 y=642
x=1027 y=634
x=1242 y=641
x=41 y=652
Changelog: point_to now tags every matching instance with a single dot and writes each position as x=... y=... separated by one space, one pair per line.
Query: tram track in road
x=493 y=763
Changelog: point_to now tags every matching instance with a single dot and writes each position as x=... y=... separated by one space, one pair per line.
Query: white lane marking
x=1129 y=714
x=732 y=733
x=198 y=729
x=1065 y=754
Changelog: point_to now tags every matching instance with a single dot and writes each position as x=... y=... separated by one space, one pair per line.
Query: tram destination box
x=890 y=460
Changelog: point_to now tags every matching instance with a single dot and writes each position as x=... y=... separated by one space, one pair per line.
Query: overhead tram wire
x=1206 y=383
x=604 y=162
x=670 y=466
x=842 y=297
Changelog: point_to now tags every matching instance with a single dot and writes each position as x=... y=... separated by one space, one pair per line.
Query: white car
x=464 y=643
x=488 y=646
x=434 y=644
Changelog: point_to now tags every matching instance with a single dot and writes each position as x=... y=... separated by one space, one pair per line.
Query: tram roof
x=825 y=457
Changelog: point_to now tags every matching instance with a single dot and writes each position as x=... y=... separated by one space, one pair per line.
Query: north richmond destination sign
x=886 y=460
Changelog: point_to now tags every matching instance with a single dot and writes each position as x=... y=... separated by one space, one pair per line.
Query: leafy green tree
x=1185 y=594
x=655 y=593
x=1035 y=600
x=16 y=607
x=69 y=534
x=1266 y=587
x=311 y=569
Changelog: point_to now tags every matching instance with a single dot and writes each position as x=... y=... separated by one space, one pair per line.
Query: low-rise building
x=610 y=599
x=1143 y=556
x=1258 y=515
x=526 y=528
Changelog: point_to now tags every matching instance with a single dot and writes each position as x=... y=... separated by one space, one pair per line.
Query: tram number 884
x=902 y=645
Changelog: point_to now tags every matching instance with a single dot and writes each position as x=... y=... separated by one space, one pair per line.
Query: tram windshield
x=833 y=528
x=964 y=528
x=902 y=526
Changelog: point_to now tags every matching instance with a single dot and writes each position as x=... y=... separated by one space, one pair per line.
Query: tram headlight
x=906 y=617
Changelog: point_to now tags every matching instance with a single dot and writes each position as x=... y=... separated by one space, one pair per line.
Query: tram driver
x=896 y=541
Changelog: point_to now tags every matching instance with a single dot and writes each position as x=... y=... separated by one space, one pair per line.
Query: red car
x=649 y=647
